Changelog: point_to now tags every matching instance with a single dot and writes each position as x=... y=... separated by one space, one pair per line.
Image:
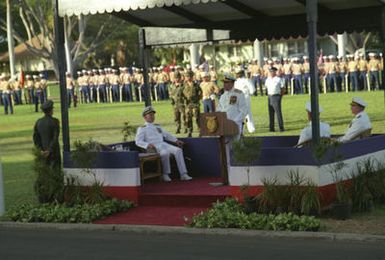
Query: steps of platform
x=171 y=204
x=199 y=192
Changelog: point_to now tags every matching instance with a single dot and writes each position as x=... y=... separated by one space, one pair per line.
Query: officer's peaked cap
x=47 y=105
x=148 y=110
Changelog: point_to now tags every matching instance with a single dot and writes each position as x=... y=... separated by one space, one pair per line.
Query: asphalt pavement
x=119 y=242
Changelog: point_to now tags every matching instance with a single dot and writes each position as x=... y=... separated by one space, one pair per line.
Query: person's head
x=189 y=75
x=47 y=107
x=149 y=114
x=205 y=76
x=178 y=77
x=273 y=71
x=228 y=81
x=239 y=72
x=357 y=105
x=308 y=110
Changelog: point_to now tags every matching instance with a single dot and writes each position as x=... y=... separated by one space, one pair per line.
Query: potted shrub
x=342 y=207
x=245 y=151
x=310 y=201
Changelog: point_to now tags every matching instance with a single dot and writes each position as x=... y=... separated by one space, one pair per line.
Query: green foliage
x=246 y=150
x=74 y=193
x=61 y=213
x=128 y=131
x=367 y=186
x=327 y=146
x=310 y=201
x=299 y=196
x=85 y=153
x=230 y=214
x=49 y=185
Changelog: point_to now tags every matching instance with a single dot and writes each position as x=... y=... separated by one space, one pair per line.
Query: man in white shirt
x=306 y=133
x=153 y=137
x=275 y=89
x=233 y=102
x=360 y=122
x=248 y=89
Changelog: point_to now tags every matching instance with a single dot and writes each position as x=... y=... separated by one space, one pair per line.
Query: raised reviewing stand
x=217 y=124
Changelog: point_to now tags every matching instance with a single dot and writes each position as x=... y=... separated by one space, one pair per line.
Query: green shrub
x=62 y=213
x=49 y=185
x=230 y=214
x=299 y=196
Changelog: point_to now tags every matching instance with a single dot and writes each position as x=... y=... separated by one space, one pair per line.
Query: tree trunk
x=11 y=50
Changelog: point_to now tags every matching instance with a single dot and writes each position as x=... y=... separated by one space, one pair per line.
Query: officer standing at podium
x=233 y=103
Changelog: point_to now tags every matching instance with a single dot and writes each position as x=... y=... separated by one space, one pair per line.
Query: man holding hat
x=46 y=135
x=248 y=89
x=233 y=102
x=275 y=89
x=306 y=133
x=209 y=90
x=153 y=137
x=360 y=122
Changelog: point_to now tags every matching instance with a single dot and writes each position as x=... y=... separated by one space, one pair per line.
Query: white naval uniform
x=156 y=135
x=234 y=104
x=306 y=133
x=248 y=89
x=360 y=123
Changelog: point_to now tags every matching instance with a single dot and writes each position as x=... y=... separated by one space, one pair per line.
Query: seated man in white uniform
x=233 y=103
x=306 y=133
x=153 y=137
x=360 y=122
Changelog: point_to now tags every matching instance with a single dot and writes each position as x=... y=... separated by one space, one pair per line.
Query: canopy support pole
x=312 y=19
x=143 y=56
x=59 y=42
x=382 y=36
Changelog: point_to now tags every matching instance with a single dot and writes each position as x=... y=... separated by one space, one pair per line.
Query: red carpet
x=169 y=204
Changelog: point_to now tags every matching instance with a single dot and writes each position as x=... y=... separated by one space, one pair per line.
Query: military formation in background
x=190 y=88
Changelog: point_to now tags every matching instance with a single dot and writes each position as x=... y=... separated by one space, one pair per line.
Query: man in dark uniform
x=46 y=135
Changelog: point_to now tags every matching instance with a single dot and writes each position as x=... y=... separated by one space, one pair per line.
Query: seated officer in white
x=360 y=122
x=153 y=137
x=306 y=133
x=233 y=102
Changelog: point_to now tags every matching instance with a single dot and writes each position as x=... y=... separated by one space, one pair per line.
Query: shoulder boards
x=237 y=91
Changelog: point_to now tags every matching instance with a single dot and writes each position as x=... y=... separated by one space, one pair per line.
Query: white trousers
x=165 y=150
x=249 y=117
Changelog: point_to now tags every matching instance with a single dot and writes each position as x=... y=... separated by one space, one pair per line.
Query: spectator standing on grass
x=46 y=135
x=275 y=90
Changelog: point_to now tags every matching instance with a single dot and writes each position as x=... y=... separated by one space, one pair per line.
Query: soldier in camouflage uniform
x=178 y=102
x=192 y=94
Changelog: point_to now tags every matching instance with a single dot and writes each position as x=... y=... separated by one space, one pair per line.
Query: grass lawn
x=103 y=122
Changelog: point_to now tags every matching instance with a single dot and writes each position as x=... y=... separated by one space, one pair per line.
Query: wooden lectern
x=217 y=124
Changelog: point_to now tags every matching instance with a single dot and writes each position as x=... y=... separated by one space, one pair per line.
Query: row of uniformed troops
x=350 y=73
x=111 y=85
x=16 y=92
